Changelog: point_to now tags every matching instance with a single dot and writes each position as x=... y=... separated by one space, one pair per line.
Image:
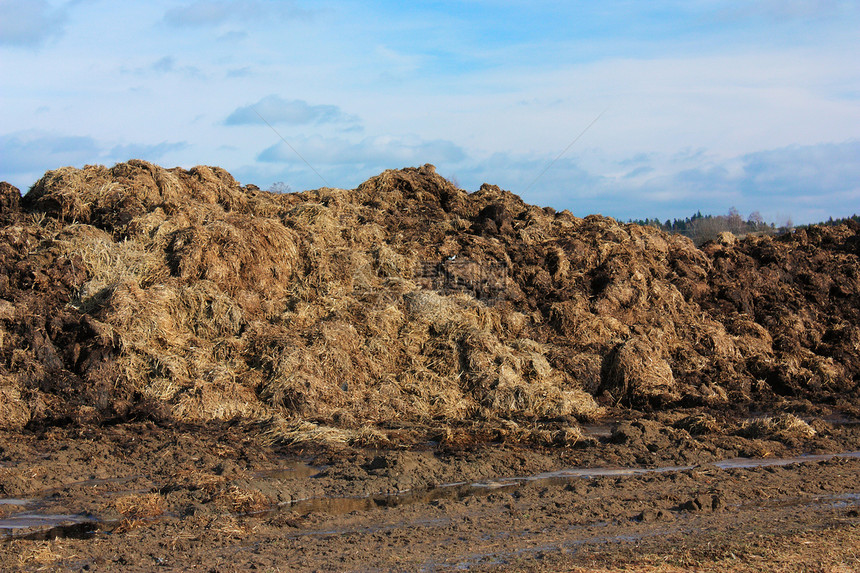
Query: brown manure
x=637 y=372
x=404 y=309
x=782 y=427
x=140 y=506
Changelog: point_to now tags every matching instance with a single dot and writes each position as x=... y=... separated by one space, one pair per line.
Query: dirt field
x=200 y=375
x=138 y=497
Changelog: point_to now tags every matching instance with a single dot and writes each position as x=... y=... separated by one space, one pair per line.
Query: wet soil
x=228 y=504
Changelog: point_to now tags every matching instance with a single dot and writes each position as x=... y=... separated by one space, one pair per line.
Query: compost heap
x=344 y=315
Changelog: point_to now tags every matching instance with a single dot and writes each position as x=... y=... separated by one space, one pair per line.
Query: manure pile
x=404 y=309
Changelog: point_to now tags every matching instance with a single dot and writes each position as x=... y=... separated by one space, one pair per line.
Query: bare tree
x=756 y=220
x=734 y=222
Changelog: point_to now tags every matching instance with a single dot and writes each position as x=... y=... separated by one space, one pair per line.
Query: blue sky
x=706 y=104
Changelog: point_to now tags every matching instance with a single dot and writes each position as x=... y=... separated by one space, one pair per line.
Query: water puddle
x=32 y=525
x=591 y=473
x=461 y=490
x=584 y=473
x=38 y=527
x=38 y=523
x=845 y=500
x=750 y=463
x=13 y=501
x=597 y=430
x=290 y=470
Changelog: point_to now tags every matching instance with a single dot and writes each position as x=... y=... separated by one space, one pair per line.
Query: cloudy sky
x=699 y=104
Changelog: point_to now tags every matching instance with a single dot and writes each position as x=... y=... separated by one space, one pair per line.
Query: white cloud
x=808 y=170
x=807 y=183
x=165 y=64
x=242 y=72
x=232 y=37
x=382 y=151
x=704 y=112
x=30 y=23
x=28 y=154
x=277 y=110
x=25 y=151
x=161 y=66
x=145 y=151
x=214 y=12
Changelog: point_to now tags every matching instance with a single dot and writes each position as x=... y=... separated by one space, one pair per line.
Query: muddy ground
x=140 y=497
x=199 y=375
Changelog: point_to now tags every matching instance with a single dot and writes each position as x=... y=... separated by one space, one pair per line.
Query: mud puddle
x=591 y=473
x=460 y=490
x=39 y=527
x=290 y=470
x=845 y=500
x=40 y=520
x=30 y=524
x=750 y=463
x=603 y=430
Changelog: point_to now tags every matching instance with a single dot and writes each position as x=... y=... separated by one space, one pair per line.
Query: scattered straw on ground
x=141 y=506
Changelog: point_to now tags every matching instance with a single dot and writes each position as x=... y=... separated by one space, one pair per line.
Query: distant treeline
x=702 y=228
x=832 y=222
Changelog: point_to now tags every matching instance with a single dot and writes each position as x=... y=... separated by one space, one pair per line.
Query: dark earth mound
x=199 y=375
x=137 y=292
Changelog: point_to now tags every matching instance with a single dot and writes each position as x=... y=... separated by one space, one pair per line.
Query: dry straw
x=140 y=506
x=782 y=427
